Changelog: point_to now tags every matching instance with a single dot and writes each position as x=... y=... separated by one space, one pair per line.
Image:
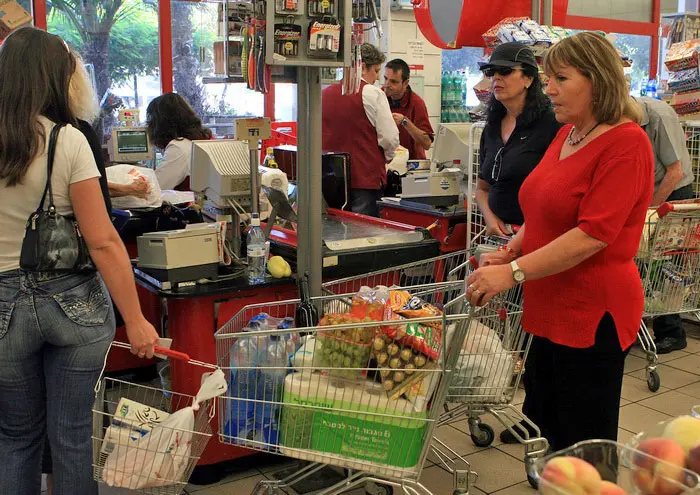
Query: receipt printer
x=180 y=255
x=439 y=189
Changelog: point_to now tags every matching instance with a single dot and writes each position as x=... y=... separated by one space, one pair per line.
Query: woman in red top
x=584 y=207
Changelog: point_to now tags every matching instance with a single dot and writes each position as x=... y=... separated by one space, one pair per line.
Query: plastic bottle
x=256 y=251
x=643 y=87
x=651 y=88
x=243 y=385
x=269 y=160
x=273 y=369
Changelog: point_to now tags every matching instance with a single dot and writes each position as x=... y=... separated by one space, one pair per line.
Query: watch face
x=519 y=276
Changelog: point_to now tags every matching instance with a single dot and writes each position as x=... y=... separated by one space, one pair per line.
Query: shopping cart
x=668 y=260
x=118 y=423
x=476 y=225
x=354 y=415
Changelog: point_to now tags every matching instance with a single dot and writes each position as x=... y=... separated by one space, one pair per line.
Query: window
x=629 y=10
x=638 y=49
x=464 y=60
x=121 y=47
x=195 y=30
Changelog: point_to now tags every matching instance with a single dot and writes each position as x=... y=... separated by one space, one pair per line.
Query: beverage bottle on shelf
x=270 y=161
x=651 y=88
x=643 y=87
x=273 y=369
x=256 y=251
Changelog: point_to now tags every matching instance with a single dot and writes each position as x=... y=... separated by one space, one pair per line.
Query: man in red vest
x=361 y=125
x=409 y=111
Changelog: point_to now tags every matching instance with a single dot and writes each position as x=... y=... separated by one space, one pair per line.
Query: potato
x=388 y=385
x=393 y=349
x=420 y=361
x=384 y=372
x=410 y=369
x=395 y=363
x=382 y=358
x=406 y=355
x=399 y=376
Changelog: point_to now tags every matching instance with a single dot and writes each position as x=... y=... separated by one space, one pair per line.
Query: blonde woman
x=584 y=207
x=55 y=328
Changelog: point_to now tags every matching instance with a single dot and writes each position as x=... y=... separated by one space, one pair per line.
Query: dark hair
x=536 y=102
x=35 y=72
x=170 y=117
x=398 y=64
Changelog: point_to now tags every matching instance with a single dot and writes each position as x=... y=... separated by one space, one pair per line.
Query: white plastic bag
x=126 y=174
x=161 y=456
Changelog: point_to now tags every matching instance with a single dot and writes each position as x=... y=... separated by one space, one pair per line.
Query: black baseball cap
x=510 y=55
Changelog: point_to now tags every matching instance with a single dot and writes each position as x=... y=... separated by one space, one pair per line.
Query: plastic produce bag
x=126 y=174
x=161 y=456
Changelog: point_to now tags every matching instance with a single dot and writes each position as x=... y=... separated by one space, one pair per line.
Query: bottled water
x=256 y=252
x=272 y=371
x=244 y=353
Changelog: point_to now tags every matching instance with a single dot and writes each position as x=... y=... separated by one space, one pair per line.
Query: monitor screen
x=132 y=141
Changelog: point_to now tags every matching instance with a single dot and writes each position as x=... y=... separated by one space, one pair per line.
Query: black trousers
x=574 y=394
x=672 y=325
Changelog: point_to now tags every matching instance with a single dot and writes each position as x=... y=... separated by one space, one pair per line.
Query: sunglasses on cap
x=501 y=71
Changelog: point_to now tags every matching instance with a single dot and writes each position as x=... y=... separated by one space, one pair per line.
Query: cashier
x=361 y=125
x=520 y=126
x=408 y=109
x=172 y=126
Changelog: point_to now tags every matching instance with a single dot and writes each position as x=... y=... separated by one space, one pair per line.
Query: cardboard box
x=12 y=16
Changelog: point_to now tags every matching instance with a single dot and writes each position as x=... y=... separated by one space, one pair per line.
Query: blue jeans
x=364 y=201
x=55 y=331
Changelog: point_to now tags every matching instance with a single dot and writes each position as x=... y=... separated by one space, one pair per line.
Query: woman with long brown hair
x=55 y=327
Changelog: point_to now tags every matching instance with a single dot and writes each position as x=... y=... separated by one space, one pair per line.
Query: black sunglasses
x=501 y=71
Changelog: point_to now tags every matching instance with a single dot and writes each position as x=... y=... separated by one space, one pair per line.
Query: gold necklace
x=574 y=142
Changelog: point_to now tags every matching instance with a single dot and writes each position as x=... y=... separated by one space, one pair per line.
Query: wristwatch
x=518 y=274
x=404 y=122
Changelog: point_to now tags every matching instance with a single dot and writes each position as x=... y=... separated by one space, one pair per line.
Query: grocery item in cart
x=161 y=456
x=131 y=421
x=484 y=368
x=676 y=287
x=426 y=337
x=682 y=55
x=345 y=348
x=323 y=415
x=399 y=366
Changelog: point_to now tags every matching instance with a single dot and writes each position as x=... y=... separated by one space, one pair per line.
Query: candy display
x=686 y=103
x=684 y=80
x=683 y=55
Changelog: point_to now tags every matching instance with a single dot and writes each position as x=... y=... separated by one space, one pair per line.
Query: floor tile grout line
x=511 y=486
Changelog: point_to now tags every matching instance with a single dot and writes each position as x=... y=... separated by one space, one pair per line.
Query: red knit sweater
x=604 y=189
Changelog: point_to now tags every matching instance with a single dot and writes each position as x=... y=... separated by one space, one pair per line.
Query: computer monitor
x=452 y=143
x=131 y=145
x=221 y=171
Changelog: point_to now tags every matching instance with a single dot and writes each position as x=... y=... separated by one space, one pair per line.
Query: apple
x=610 y=488
x=570 y=476
x=660 y=471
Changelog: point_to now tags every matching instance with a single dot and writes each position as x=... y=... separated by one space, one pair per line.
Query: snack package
x=399 y=365
x=559 y=31
x=686 y=103
x=528 y=25
x=684 y=80
x=422 y=337
x=482 y=90
x=683 y=55
x=370 y=303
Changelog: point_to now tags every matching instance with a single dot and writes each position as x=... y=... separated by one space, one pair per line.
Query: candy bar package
x=506 y=32
x=683 y=55
x=686 y=103
x=528 y=25
x=491 y=37
x=684 y=80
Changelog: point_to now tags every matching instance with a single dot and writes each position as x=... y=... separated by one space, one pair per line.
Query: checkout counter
x=189 y=297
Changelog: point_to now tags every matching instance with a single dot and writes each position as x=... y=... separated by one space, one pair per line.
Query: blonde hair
x=81 y=93
x=597 y=59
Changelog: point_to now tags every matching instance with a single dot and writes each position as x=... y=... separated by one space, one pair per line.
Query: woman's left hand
x=487 y=282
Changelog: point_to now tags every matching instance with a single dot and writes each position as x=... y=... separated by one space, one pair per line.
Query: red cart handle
x=170 y=353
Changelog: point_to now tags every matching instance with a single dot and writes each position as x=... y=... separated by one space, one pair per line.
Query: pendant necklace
x=574 y=142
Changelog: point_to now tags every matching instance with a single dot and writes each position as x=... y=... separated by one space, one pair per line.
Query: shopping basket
x=668 y=260
x=632 y=470
x=124 y=412
x=342 y=400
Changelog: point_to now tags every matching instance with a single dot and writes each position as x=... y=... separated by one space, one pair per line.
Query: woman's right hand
x=495 y=226
x=142 y=337
x=496 y=258
x=140 y=188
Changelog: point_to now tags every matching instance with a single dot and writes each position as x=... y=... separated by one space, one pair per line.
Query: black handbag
x=53 y=242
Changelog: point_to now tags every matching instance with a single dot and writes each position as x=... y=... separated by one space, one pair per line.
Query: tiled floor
x=500 y=467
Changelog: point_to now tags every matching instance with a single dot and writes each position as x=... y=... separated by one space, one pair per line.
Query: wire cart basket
x=669 y=265
x=352 y=397
x=124 y=412
x=476 y=225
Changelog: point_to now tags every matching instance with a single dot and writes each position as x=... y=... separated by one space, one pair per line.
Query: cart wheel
x=532 y=481
x=376 y=489
x=653 y=381
x=484 y=435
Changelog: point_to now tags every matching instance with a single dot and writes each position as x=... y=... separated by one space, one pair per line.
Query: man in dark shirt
x=408 y=109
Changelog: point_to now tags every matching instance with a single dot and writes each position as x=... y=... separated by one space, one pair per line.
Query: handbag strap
x=49 y=161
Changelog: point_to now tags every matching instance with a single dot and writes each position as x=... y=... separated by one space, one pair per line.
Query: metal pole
x=254 y=177
x=535 y=14
x=547 y=14
x=303 y=179
x=314 y=178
